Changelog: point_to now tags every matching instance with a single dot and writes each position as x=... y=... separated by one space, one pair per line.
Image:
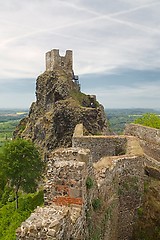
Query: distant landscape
x=9 y=119
x=119 y=117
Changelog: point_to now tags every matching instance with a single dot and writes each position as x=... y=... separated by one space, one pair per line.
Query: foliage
x=11 y=218
x=22 y=165
x=83 y=99
x=89 y=183
x=150 y=120
x=3 y=181
x=119 y=117
x=140 y=211
x=96 y=204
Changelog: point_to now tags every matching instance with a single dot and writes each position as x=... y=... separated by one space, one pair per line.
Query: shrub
x=89 y=183
x=149 y=120
x=96 y=204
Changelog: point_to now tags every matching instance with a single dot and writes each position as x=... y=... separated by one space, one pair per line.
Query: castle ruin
x=55 y=61
x=92 y=190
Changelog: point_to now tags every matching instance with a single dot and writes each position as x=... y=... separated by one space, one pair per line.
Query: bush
x=89 y=183
x=96 y=204
x=149 y=120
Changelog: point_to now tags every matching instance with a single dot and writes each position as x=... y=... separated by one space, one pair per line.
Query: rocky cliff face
x=58 y=108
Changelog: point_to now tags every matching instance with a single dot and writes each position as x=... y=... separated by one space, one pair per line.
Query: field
x=9 y=119
x=119 y=117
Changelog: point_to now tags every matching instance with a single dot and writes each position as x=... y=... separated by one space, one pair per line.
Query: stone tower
x=55 y=61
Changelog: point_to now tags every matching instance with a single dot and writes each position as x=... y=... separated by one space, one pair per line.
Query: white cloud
x=123 y=97
x=104 y=35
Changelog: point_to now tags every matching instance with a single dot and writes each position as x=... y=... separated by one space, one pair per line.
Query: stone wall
x=120 y=188
x=149 y=139
x=87 y=198
x=99 y=145
x=53 y=222
x=65 y=198
x=55 y=61
x=67 y=170
x=118 y=169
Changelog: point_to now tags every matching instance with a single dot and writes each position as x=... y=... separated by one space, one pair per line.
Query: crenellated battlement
x=55 y=61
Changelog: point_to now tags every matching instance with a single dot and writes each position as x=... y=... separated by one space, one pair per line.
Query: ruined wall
x=54 y=61
x=102 y=145
x=52 y=222
x=120 y=184
x=86 y=200
x=99 y=145
x=149 y=139
x=67 y=170
x=63 y=217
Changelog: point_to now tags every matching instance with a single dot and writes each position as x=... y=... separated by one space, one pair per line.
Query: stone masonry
x=149 y=139
x=54 y=61
x=63 y=216
x=118 y=167
x=71 y=210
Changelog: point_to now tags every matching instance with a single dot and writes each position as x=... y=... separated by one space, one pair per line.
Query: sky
x=116 y=47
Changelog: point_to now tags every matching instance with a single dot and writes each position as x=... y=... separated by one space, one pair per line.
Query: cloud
x=125 y=88
x=106 y=37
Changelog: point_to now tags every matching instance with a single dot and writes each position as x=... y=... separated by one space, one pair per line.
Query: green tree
x=150 y=120
x=3 y=182
x=22 y=165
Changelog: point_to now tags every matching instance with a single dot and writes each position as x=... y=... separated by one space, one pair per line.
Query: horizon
x=132 y=108
x=115 y=47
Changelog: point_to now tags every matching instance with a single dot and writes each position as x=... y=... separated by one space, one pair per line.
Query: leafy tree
x=3 y=182
x=149 y=119
x=22 y=165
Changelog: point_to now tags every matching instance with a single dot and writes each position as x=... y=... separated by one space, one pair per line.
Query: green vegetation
x=96 y=204
x=9 y=119
x=119 y=117
x=89 y=183
x=99 y=220
x=149 y=120
x=21 y=165
x=6 y=130
x=11 y=218
x=83 y=99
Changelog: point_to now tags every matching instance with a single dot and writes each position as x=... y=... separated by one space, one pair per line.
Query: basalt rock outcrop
x=60 y=106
